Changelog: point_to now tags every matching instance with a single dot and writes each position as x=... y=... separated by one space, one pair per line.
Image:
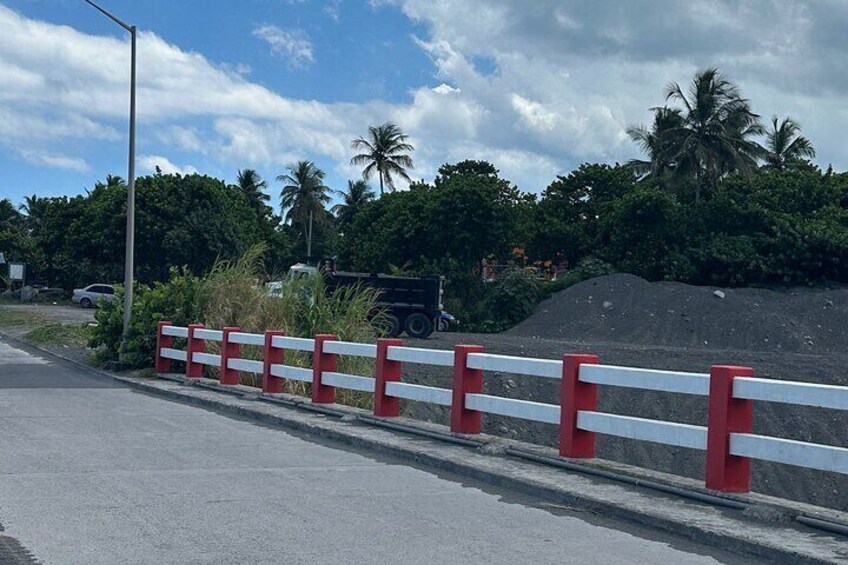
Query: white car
x=91 y=295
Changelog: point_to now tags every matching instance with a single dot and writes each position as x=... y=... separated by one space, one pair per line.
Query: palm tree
x=304 y=196
x=358 y=194
x=655 y=143
x=786 y=148
x=112 y=181
x=253 y=187
x=384 y=153
x=715 y=137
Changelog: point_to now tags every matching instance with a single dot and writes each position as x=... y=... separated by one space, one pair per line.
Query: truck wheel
x=418 y=325
x=393 y=328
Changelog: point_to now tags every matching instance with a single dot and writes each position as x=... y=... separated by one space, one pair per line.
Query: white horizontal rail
x=790 y=392
x=551 y=369
x=524 y=409
x=422 y=356
x=790 y=452
x=247 y=339
x=209 y=335
x=646 y=379
x=419 y=393
x=352 y=382
x=350 y=348
x=174 y=354
x=175 y=331
x=293 y=343
x=292 y=373
x=668 y=433
x=207 y=359
x=247 y=365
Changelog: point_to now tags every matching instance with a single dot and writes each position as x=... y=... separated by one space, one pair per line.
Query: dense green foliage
x=180 y=221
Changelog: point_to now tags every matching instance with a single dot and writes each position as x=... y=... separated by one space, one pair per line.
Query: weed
x=60 y=334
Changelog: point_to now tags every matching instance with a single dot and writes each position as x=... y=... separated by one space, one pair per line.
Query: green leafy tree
x=15 y=242
x=567 y=218
x=465 y=215
x=180 y=221
x=785 y=147
x=384 y=153
x=358 y=195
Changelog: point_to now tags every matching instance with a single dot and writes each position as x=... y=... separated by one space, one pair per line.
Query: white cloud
x=55 y=161
x=558 y=84
x=149 y=164
x=292 y=46
x=332 y=10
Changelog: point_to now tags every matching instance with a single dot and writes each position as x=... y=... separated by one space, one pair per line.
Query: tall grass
x=232 y=294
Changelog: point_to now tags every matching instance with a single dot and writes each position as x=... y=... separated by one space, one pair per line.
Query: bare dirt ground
x=31 y=316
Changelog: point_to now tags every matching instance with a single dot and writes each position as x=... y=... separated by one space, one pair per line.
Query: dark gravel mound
x=627 y=309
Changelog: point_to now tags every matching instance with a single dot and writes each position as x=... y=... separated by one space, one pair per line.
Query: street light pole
x=130 y=241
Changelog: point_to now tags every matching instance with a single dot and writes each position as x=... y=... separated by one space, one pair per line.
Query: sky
x=534 y=87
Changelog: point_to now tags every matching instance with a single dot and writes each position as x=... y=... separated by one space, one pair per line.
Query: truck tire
x=418 y=325
x=393 y=328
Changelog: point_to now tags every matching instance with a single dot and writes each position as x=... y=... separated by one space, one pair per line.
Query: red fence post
x=322 y=363
x=163 y=364
x=386 y=371
x=727 y=415
x=465 y=380
x=273 y=356
x=229 y=350
x=576 y=396
x=194 y=345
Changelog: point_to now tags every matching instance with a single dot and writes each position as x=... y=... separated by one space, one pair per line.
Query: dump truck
x=410 y=304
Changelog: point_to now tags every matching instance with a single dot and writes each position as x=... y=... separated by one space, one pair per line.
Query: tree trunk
x=381 y=183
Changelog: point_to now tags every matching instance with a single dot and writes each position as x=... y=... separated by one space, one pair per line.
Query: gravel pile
x=627 y=309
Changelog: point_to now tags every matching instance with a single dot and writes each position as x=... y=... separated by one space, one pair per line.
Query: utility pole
x=129 y=257
x=309 y=239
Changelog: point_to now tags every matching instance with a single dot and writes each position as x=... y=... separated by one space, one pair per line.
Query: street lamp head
x=121 y=23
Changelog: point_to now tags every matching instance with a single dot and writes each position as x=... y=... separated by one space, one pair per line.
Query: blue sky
x=536 y=88
x=359 y=53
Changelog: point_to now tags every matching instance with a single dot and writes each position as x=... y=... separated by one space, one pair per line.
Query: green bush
x=175 y=301
x=513 y=298
x=587 y=268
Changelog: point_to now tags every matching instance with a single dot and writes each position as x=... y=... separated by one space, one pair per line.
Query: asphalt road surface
x=93 y=473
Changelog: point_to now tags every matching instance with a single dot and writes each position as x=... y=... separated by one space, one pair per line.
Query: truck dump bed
x=395 y=291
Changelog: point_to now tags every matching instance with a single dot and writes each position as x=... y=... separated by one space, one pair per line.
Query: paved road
x=92 y=473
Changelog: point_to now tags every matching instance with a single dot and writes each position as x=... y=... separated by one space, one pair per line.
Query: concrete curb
x=488 y=462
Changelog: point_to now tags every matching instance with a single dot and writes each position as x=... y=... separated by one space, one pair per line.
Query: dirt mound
x=628 y=309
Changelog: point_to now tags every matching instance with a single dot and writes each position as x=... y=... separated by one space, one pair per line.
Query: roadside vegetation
x=70 y=335
x=12 y=318
x=721 y=197
x=230 y=295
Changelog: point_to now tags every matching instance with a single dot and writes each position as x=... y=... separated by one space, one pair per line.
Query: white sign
x=16 y=271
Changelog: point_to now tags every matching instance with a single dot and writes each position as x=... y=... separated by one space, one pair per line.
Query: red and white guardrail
x=727 y=438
